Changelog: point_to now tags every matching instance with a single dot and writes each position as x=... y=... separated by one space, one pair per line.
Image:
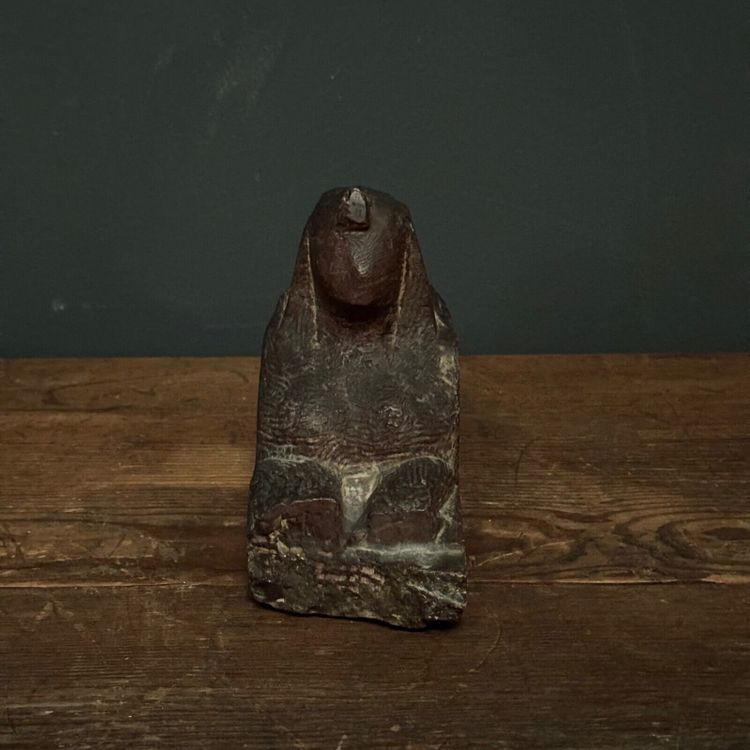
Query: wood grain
x=549 y=666
x=124 y=618
x=578 y=469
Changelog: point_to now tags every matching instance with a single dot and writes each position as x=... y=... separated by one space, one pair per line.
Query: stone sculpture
x=354 y=507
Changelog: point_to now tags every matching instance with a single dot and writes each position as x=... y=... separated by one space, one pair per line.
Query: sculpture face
x=357 y=247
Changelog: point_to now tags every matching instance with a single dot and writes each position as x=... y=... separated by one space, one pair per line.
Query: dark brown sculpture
x=354 y=500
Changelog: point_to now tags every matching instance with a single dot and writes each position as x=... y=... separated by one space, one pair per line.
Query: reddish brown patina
x=354 y=500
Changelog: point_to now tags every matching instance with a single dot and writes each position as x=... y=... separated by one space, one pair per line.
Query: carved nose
x=354 y=205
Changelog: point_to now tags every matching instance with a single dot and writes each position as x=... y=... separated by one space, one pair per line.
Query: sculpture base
x=408 y=585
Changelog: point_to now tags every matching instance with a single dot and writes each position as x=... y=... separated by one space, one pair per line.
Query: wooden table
x=607 y=506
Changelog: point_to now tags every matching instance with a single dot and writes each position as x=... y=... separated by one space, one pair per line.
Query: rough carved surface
x=354 y=500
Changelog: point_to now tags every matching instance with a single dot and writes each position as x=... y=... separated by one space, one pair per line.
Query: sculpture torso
x=360 y=350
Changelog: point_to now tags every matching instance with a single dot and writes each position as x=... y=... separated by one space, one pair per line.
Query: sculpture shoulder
x=443 y=321
x=278 y=319
x=290 y=333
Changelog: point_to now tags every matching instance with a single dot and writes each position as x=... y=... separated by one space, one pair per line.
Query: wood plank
x=538 y=666
x=122 y=587
x=617 y=468
x=578 y=469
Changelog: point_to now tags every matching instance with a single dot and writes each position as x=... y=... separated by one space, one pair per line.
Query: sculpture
x=354 y=507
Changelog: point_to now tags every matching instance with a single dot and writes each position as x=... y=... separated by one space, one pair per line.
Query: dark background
x=578 y=171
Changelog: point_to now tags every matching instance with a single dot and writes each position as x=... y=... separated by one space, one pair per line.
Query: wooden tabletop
x=607 y=509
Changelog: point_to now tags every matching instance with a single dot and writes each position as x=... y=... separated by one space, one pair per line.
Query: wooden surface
x=607 y=506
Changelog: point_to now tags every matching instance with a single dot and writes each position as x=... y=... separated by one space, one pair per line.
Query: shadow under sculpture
x=354 y=507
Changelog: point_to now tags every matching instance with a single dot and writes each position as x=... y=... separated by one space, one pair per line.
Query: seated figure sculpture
x=354 y=507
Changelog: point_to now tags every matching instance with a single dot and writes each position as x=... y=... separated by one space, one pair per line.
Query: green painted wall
x=578 y=172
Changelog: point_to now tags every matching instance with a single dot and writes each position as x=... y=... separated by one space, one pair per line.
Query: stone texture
x=354 y=507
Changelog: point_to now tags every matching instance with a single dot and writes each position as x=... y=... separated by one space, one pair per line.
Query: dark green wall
x=578 y=171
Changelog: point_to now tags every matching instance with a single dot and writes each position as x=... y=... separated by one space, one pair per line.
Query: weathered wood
x=617 y=468
x=124 y=620
x=541 y=666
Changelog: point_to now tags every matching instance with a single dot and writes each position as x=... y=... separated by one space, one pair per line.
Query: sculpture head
x=358 y=240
